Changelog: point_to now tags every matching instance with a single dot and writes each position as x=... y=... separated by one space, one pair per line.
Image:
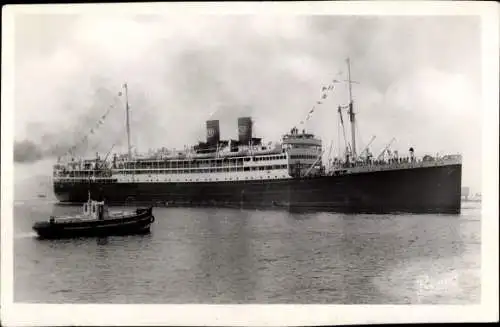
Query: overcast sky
x=420 y=79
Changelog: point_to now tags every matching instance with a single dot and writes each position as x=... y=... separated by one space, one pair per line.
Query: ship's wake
x=35 y=201
x=25 y=235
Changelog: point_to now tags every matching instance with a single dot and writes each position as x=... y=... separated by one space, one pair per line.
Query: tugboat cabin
x=95 y=209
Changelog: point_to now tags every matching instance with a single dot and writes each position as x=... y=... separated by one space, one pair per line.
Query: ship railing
x=89 y=173
x=84 y=179
x=81 y=166
x=425 y=161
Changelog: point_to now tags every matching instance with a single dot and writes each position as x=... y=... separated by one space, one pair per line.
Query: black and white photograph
x=252 y=158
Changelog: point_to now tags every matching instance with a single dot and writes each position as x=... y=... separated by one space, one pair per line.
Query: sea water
x=223 y=256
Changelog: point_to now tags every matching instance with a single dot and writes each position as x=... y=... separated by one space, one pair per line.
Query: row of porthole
x=203 y=170
x=209 y=180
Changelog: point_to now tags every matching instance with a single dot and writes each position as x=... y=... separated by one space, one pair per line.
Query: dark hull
x=138 y=224
x=419 y=190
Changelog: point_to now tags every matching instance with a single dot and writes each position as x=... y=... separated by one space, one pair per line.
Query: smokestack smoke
x=26 y=151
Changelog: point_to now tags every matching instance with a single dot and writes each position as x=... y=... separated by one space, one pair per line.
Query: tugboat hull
x=136 y=224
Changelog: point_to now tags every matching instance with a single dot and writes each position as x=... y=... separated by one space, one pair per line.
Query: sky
x=419 y=80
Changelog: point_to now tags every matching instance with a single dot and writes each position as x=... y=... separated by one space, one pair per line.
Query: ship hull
x=435 y=189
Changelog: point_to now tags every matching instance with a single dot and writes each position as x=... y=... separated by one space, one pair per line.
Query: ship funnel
x=213 y=132
x=244 y=130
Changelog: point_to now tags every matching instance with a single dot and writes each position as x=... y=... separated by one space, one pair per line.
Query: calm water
x=247 y=256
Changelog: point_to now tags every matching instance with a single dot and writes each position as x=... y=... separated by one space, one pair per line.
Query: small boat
x=96 y=220
x=42 y=195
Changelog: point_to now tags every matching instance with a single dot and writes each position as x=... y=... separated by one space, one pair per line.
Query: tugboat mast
x=351 y=110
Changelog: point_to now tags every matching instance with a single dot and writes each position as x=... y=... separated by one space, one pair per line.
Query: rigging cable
x=324 y=95
x=71 y=150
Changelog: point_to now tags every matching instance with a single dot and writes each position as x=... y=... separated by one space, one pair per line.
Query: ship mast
x=351 y=110
x=127 y=108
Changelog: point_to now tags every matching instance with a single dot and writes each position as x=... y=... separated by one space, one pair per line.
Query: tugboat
x=96 y=220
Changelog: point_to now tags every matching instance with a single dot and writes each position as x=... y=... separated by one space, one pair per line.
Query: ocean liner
x=246 y=172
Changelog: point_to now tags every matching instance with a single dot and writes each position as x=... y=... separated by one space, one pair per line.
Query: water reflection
x=102 y=241
x=227 y=257
x=255 y=256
